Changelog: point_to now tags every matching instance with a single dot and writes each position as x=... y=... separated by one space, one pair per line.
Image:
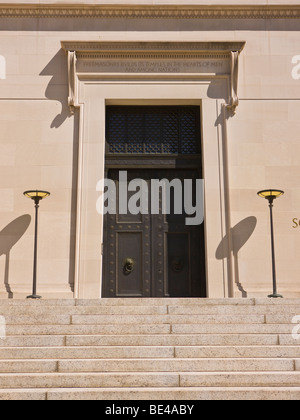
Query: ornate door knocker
x=177 y=265
x=128 y=266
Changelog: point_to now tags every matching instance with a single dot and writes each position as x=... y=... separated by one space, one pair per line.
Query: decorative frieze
x=149 y=12
x=123 y=59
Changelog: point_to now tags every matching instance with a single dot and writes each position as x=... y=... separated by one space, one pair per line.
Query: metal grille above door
x=170 y=130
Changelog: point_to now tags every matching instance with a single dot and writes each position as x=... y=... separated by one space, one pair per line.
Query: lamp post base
x=275 y=296
x=34 y=297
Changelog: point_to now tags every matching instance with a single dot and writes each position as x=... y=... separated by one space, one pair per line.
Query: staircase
x=150 y=349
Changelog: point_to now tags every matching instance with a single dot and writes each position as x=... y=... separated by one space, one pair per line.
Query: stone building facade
x=71 y=69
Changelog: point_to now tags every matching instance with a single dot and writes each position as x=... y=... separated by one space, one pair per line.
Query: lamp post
x=36 y=196
x=271 y=195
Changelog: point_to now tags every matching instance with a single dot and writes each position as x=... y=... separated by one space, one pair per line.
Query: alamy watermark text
x=177 y=196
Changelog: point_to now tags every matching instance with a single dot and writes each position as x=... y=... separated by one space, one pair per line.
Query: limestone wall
x=39 y=138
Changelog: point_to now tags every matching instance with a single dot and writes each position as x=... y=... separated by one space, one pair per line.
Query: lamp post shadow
x=9 y=237
x=233 y=242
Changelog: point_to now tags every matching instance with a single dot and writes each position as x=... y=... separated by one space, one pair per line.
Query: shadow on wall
x=57 y=89
x=234 y=242
x=9 y=237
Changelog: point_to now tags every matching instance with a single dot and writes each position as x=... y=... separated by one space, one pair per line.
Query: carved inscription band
x=149 y=66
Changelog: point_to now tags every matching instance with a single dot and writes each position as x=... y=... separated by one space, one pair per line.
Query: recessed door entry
x=153 y=253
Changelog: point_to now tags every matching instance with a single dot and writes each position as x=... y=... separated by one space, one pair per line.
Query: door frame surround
x=151 y=73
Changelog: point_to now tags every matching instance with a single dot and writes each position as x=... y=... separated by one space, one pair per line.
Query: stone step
x=87 y=352
x=36 y=310
x=232 y=329
x=46 y=319
x=148 y=365
x=149 y=380
x=38 y=319
x=151 y=329
x=172 y=301
x=287 y=340
x=28 y=366
x=131 y=352
x=240 y=379
x=148 y=302
x=183 y=394
x=238 y=351
x=154 y=394
x=121 y=329
x=89 y=380
x=279 y=319
x=172 y=340
x=167 y=319
x=36 y=303
x=82 y=310
x=133 y=302
x=150 y=340
x=177 y=365
x=236 y=310
x=34 y=341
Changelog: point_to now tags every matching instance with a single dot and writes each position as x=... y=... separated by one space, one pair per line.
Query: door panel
x=179 y=264
x=153 y=255
x=129 y=264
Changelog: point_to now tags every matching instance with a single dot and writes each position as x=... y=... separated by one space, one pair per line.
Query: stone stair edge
x=159 y=366
x=150 y=329
x=150 y=301
x=151 y=394
x=130 y=319
x=167 y=380
x=35 y=310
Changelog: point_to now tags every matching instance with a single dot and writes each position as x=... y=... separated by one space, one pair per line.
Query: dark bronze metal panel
x=153 y=255
x=179 y=264
x=130 y=260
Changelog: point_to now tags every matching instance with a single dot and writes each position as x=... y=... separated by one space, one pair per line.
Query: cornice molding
x=149 y=12
x=142 y=48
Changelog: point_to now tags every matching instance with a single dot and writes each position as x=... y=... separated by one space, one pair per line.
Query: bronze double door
x=152 y=255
